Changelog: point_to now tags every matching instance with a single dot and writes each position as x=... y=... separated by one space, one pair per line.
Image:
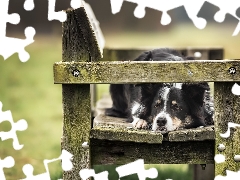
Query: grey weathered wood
x=195 y=134
x=227 y=108
x=112 y=128
x=78 y=44
x=125 y=134
x=118 y=152
x=125 y=72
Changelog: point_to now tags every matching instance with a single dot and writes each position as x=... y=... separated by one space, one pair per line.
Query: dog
x=162 y=107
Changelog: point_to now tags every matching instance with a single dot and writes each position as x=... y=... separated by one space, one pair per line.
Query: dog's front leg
x=139 y=116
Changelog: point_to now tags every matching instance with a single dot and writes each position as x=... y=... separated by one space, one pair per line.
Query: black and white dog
x=162 y=106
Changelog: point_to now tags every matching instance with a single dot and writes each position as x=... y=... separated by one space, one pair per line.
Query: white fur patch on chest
x=137 y=108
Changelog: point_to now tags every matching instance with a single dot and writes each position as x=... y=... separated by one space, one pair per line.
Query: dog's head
x=174 y=108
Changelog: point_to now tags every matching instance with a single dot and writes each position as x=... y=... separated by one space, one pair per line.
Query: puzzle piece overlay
x=7 y=162
x=219 y=158
x=67 y=165
x=192 y=8
x=6 y=49
x=136 y=167
x=9 y=46
x=20 y=125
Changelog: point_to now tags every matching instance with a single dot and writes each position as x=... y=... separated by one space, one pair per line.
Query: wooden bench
x=117 y=144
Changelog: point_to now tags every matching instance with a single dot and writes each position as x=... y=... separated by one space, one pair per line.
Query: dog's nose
x=161 y=121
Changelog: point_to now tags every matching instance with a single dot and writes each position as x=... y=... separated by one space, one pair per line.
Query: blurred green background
x=27 y=89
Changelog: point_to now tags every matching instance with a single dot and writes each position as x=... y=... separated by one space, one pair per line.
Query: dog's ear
x=194 y=96
x=195 y=91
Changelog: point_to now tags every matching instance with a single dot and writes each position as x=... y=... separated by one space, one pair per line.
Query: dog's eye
x=176 y=107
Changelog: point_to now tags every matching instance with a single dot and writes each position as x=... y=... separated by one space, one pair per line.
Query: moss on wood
x=118 y=152
x=196 y=134
x=118 y=129
x=125 y=72
x=78 y=44
x=227 y=108
x=125 y=134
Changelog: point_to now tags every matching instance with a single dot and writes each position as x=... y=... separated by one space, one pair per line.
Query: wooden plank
x=117 y=152
x=78 y=44
x=125 y=72
x=125 y=134
x=227 y=108
x=118 y=129
x=195 y=134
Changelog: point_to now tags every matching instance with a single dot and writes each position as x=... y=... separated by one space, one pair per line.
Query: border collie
x=163 y=107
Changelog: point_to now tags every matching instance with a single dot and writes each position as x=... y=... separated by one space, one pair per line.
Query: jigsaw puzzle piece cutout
x=140 y=12
x=228 y=132
x=67 y=165
x=116 y=6
x=5 y=17
x=29 y=5
x=192 y=8
x=52 y=15
x=28 y=171
x=236 y=89
x=20 y=125
x=66 y=158
x=137 y=167
x=87 y=173
x=7 y=49
x=76 y=3
x=227 y=7
x=7 y=162
x=230 y=175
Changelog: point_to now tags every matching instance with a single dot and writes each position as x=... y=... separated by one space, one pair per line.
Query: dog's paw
x=140 y=124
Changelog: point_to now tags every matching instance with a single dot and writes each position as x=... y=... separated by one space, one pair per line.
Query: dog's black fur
x=162 y=105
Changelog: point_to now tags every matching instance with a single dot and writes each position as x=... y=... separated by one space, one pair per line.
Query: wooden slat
x=118 y=129
x=227 y=107
x=126 y=134
x=118 y=152
x=76 y=97
x=125 y=72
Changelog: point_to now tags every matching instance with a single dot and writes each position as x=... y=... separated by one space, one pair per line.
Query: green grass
x=27 y=90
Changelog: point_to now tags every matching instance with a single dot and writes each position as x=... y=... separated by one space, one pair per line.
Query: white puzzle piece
x=7 y=162
x=67 y=165
x=137 y=167
x=9 y=46
x=20 y=125
x=192 y=9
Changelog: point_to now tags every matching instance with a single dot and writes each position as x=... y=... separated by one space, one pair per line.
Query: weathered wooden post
x=78 y=44
x=227 y=107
